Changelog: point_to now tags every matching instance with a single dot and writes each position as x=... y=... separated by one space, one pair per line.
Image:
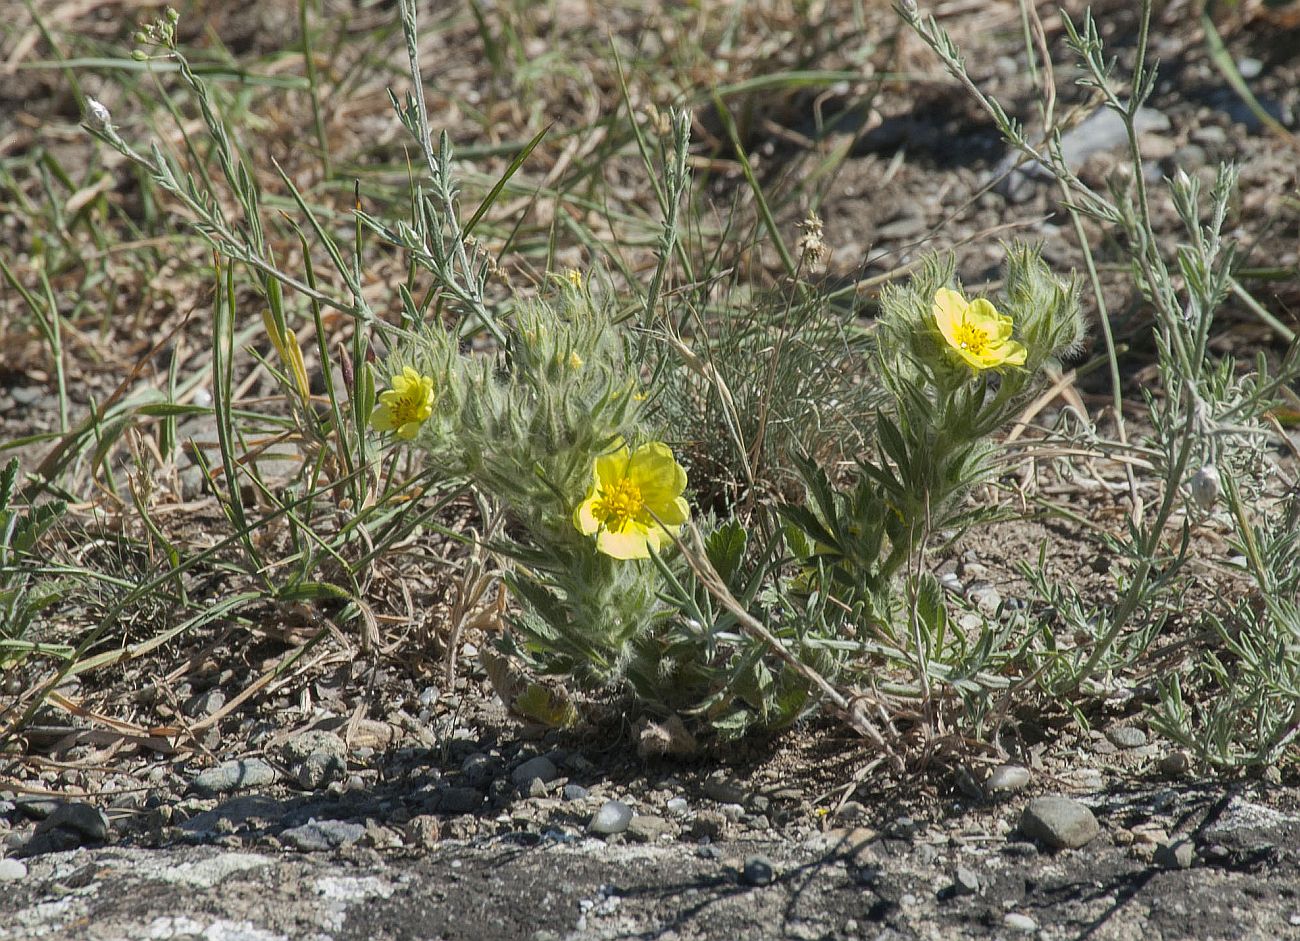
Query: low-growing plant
x=1209 y=431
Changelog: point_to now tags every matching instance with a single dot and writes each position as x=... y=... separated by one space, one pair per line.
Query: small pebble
x=902 y=828
x=1175 y=763
x=316 y=836
x=575 y=792
x=1006 y=778
x=1059 y=822
x=314 y=741
x=1179 y=854
x=723 y=790
x=205 y=704
x=540 y=768
x=613 y=817
x=966 y=881
x=648 y=828
x=233 y=775
x=1126 y=736
x=86 y=820
x=678 y=807
x=1249 y=67
x=758 y=871
x=461 y=800
x=423 y=830
x=950 y=581
x=11 y=870
x=1018 y=922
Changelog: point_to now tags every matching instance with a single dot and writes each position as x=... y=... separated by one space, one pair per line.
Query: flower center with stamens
x=619 y=504
x=407 y=408
x=971 y=338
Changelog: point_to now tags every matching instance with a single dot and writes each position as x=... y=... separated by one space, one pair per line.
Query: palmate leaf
x=725 y=548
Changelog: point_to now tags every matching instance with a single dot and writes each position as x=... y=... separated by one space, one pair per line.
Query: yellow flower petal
x=674 y=513
x=976 y=332
x=611 y=468
x=584 y=518
x=631 y=544
x=655 y=472
x=406 y=405
x=635 y=501
x=381 y=419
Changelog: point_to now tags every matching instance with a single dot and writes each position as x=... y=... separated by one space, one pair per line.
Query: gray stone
x=708 y=824
x=461 y=800
x=1180 y=854
x=987 y=600
x=479 y=769
x=57 y=840
x=26 y=395
x=902 y=828
x=1102 y=131
x=1020 y=848
x=758 y=871
x=648 y=828
x=723 y=790
x=318 y=770
x=1126 y=736
x=38 y=808
x=1175 y=763
x=1059 y=822
x=1210 y=135
x=423 y=830
x=233 y=776
x=677 y=807
x=312 y=742
x=613 y=817
x=1250 y=67
x=11 y=870
x=907 y=225
x=540 y=768
x=205 y=703
x=85 y=820
x=966 y=881
x=317 y=836
x=1018 y=922
x=575 y=792
x=1005 y=779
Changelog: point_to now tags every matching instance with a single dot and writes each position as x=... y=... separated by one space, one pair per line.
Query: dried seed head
x=1205 y=486
x=812 y=246
x=660 y=122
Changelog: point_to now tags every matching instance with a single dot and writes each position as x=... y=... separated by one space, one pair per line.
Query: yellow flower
x=976 y=331
x=575 y=361
x=574 y=277
x=406 y=406
x=635 y=501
